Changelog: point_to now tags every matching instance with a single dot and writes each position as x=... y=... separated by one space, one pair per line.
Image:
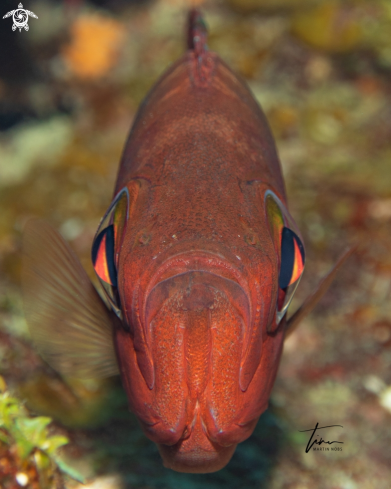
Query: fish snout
x=196 y=453
x=195 y=326
x=197 y=334
x=196 y=323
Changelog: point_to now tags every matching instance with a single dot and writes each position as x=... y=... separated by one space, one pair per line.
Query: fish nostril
x=199 y=297
x=250 y=239
x=145 y=238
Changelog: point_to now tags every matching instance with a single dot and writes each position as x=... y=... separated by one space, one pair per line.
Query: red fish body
x=197 y=266
x=199 y=258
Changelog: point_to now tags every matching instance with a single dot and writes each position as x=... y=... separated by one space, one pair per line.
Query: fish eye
x=106 y=247
x=292 y=258
x=289 y=249
x=103 y=256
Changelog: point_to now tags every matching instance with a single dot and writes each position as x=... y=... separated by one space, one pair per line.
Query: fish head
x=202 y=306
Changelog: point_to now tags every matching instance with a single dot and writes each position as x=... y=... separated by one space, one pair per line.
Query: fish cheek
x=151 y=373
x=168 y=353
x=141 y=399
x=224 y=394
x=237 y=394
x=126 y=289
x=256 y=398
x=129 y=295
x=260 y=239
x=127 y=339
x=263 y=292
x=138 y=393
x=254 y=401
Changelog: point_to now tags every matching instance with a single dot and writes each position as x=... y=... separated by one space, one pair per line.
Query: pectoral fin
x=313 y=299
x=69 y=323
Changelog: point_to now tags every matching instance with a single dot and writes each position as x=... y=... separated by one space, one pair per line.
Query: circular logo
x=20 y=18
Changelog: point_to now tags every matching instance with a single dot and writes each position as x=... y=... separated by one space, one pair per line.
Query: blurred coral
x=94 y=46
x=321 y=70
x=330 y=26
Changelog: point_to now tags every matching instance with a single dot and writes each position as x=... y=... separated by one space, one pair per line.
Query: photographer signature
x=319 y=442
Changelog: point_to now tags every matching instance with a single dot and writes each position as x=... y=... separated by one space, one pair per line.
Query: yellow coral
x=94 y=46
x=331 y=26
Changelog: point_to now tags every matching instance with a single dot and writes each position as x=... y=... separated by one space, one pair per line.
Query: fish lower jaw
x=196 y=453
x=198 y=445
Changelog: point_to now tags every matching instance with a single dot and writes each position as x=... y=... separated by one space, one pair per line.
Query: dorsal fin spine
x=197 y=32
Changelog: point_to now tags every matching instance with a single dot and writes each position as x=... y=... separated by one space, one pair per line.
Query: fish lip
x=194 y=455
x=210 y=262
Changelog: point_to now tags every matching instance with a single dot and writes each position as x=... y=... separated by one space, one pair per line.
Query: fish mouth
x=195 y=294
x=197 y=462
x=196 y=453
x=198 y=263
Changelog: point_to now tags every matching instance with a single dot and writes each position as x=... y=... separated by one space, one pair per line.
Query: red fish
x=199 y=258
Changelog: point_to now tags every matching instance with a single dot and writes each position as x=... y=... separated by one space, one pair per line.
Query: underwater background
x=69 y=90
